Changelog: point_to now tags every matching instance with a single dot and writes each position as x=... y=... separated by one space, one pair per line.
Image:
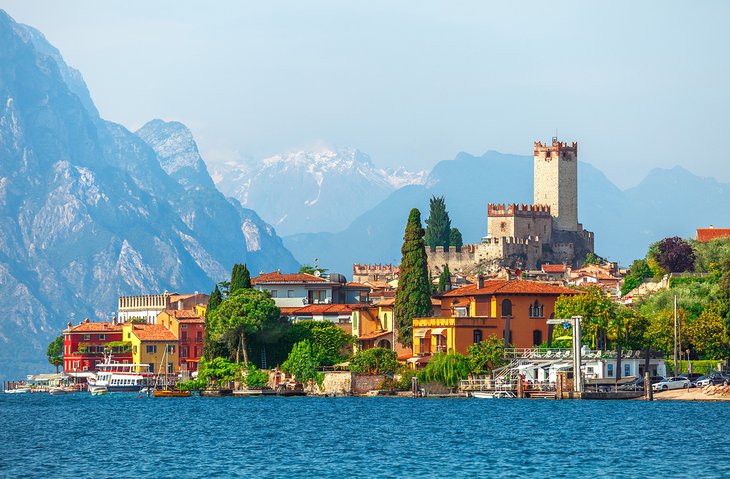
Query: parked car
x=713 y=379
x=690 y=376
x=672 y=383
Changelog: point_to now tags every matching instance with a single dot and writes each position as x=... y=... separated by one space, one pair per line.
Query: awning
x=438 y=332
x=420 y=333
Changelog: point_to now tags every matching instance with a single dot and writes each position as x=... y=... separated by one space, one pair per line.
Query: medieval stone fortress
x=524 y=236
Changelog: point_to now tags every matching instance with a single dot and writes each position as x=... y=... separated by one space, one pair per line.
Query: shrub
x=256 y=378
x=374 y=361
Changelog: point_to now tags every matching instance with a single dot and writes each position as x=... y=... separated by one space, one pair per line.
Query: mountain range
x=90 y=210
x=311 y=191
x=668 y=202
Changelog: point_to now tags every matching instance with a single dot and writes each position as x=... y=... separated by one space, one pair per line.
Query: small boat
x=20 y=390
x=168 y=393
x=59 y=390
x=98 y=390
x=492 y=394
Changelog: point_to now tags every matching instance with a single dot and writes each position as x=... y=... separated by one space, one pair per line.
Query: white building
x=147 y=306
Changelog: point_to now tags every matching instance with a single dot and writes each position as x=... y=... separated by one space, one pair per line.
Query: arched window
x=536 y=310
x=477 y=336
x=506 y=308
x=536 y=337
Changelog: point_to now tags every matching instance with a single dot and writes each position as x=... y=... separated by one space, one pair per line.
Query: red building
x=188 y=325
x=84 y=346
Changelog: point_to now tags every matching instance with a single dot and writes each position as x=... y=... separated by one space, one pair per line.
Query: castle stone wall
x=556 y=182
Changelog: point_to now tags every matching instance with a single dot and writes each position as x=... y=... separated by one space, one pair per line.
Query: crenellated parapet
x=517 y=209
x=556 y=146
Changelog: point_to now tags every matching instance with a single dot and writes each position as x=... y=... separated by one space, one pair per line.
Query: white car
x=672 y=383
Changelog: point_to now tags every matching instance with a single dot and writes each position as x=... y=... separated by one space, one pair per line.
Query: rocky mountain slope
x=89 y=210
x=312 y=191
x=668 y=202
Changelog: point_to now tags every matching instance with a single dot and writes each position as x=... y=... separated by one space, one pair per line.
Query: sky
x=639 y=85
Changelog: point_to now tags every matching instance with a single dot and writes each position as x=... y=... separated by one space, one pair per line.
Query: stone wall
x=556 y=182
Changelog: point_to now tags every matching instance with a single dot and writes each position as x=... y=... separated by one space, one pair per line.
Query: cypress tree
x=412 y=299
x=455 y=239
x=213 y=349
x=438 y=224
x=240 y=278
x=445 y=280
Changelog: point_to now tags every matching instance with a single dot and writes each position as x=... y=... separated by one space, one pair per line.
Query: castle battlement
x=517 y=209
x=556 y=146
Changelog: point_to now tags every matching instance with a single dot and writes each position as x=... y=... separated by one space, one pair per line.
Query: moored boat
x=98 y=390
x=168 y=393
x=120 y=377
x=19 y=390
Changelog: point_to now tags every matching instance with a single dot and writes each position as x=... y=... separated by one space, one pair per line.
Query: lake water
x=121 y=435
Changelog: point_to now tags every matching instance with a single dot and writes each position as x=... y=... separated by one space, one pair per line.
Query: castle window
x=477 y=336
x=506 y=308
x=503 y=226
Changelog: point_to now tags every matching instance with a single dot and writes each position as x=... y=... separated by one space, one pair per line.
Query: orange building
x=515 y=310
x=188 y=326
x=705 y=235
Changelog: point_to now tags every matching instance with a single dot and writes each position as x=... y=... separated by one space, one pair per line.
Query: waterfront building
x=84 y=346
x=149 y=342
x=513 y=310
x=296 y=290
x=148 y=306
x=188 y=326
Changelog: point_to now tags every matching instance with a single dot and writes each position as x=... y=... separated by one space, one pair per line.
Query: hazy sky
x=638 y=84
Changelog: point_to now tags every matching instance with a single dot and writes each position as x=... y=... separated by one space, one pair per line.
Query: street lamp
x=574 y=322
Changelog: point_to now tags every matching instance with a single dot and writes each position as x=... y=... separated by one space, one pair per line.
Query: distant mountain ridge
x=667 y=202
x=89 y=210
x=312 y=191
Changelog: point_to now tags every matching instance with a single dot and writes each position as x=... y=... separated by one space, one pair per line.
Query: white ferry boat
x=120 y=377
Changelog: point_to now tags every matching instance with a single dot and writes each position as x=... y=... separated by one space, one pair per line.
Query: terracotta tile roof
x=152 y=332
x=554 y=268
x=90 y=327
x=386 y=302
x=278 y=278
x=708 y=234
x=358 y=285
x=374 y=335
x=515 y=286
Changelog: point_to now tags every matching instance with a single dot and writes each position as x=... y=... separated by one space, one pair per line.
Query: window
x=609 y=370
x=274 y=293
x=425 y=346
x=102 y=337
x=151 y=349
x=536 y=337
x=170 y=349
x=152 y=367
x=183 y=335
x=169 y=368
x=317 y=296
x=86 y=337
x=477 y=336
x=135 y=349
x=290 y=293
x=536 y=310
x=627 y=370
x=460 y=312
x=506 y=308
x=184 y=352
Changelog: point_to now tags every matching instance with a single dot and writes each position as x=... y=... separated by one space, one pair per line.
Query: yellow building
x=149 y=342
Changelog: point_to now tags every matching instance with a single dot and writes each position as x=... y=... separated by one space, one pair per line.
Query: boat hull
x=171 y=394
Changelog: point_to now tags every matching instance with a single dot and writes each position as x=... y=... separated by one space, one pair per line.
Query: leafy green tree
x=54 y=352
x=660 y=331
x=455 y=239
x=445 y=368
x=708 y=335
x=240 y=278
x=301 y=362
x=218 y=371
x=486 y=355
x=591 y=258
x=244 y=312
x=638 y=272
x=444 y=280
x=438 y=224
x=374 y=361
x=255 y=378
x=597 y=309
x=412 y=298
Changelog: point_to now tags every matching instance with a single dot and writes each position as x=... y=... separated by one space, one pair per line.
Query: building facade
x=154 y=345
x=85 y=344
x=147 y=306
x=188 y=326
x=515 y=311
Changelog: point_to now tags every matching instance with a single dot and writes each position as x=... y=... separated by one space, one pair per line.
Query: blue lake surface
x=121 y=435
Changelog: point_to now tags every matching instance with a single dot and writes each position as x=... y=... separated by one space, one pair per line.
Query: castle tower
x=556 y=182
